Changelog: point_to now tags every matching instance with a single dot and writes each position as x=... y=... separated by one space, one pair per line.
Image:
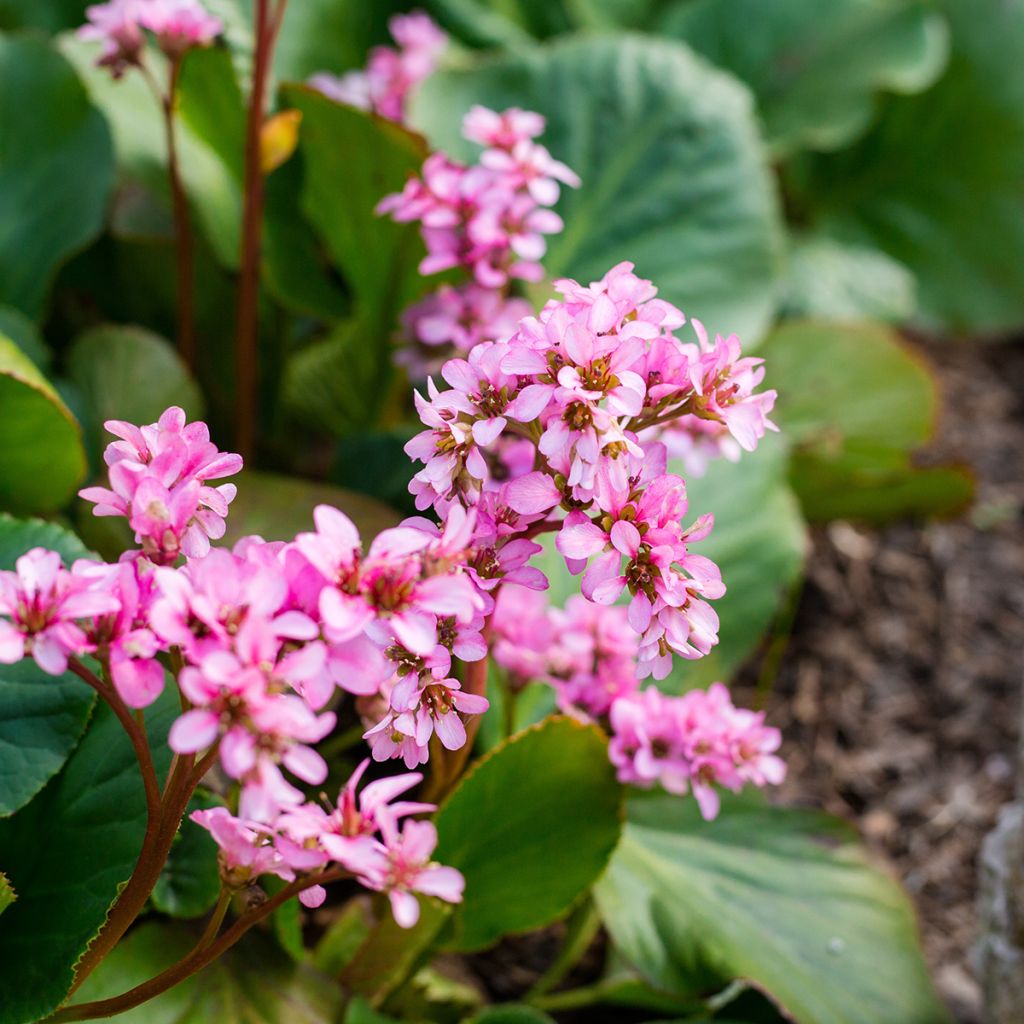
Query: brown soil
x=899 y=693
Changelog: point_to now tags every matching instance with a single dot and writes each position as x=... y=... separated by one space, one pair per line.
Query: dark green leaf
x=815 y=65
x=939 y=183
x=129 y=373
x=18 y=535
x=782 y=898
x=50 y=15
x=359 y=1011
x=346 y=933
x=254 y=983
x=42 y=718
x=552 y=839
x=47 y=126
x=67 y=853
x=512 y=1015
x=210 y=102
x=351 y=161
x=16 y=326
x=673 y=169
x=42 y=459
x=338 y=383
x=189 y=884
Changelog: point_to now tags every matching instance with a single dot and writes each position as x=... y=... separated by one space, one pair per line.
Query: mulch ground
x=899 y=694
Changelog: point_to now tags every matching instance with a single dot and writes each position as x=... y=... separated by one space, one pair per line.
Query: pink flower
x=116 y=25
x=246 y=848
x=404 y=867
x=417 y=713
x=159 y=480
x=694 y=742
x=179 y=25
x=391 y=74
x=42 y=605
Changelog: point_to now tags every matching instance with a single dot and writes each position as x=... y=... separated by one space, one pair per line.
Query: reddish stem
x=247 y=336
x=201 y=956
x=182 y=229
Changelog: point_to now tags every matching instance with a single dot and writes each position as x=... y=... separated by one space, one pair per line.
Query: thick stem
x=183 y=239
x=247 y=324
x=200 y=957
x=139 y=740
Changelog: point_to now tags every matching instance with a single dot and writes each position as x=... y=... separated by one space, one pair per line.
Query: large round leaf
x=129 y=373
x=41 y=455
x=24 y=333
x=674 y=172
x=939 y=184
x=56 y=169
x=815 y=65
x=782 y=898
x=67 y=853
x=255 y=983
x=856 y=402
x=531 y=827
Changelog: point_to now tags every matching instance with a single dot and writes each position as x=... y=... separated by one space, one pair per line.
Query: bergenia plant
x=559 y=423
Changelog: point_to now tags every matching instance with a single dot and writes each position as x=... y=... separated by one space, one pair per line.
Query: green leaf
x=839 y=381
x=359 y=1011
x=42 y=460
x=67 y=853
x=503 y=22
x=345 y=934
x=831 y=281
x=47 y=127
x=50 y=15
x=874 y=483
x=210 y=102
x=856 y=402
x=42 y=718
x=816 y=65
x=7 y=895
x=137 y=124
x=278 y=507
x=19 y=535
x=254 y=983
x=19 y=329
x=295 y=268
x=512 y=1015
x=759 y=541
x=782 y=898
x=372 y=157
x=551 y=840
x=129 y=373
x=335 y=384
x=674 y=174
x=939 y=183
x=189 y=884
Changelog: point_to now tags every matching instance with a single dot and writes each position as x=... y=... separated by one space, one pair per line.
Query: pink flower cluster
x=262 y=637
x=586 y=652
x=489 y=218
x=391 y=74
x=178 y=25
x=565 y=417
x=160 y=481
x=693 y=743
x=362 y=835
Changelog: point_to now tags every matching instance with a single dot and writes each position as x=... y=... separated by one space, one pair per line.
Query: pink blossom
x=391 y=74
x=179 y=25
x=159 y=480
x=116 y=25
x=404 y=868
x=693 y=743
x=42 y=605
